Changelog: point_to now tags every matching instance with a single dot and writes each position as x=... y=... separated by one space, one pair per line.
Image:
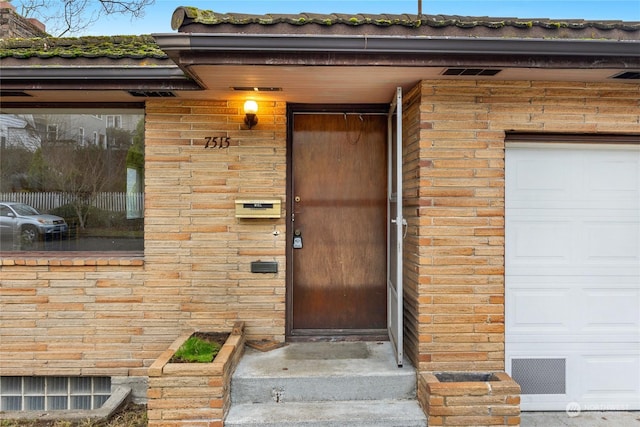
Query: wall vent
x=152 y=93
x=540 y=376
x=470 y=72
x=256 y=89
x=5 y=93
x=627 y=75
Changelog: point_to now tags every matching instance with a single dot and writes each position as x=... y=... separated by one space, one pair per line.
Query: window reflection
x=83 y=168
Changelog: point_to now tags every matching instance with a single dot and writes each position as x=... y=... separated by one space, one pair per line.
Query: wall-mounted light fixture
x=250 y=110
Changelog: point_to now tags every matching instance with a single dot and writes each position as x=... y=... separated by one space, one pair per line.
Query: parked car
x=23 y=222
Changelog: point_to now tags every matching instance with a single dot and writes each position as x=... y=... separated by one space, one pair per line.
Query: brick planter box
x=470 y=399
x=193 y=394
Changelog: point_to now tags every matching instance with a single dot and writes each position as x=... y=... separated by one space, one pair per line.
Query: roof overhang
x=312 y=68
x=95 y=78
x=303 y=64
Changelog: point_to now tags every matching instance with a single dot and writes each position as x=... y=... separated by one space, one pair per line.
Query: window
x=52 y=132
x=88 y=196
x=114 y=121
x=53 y=393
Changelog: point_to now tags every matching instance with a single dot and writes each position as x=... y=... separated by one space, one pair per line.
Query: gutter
x=93 y=73
x=100 y=77
x=393 y=45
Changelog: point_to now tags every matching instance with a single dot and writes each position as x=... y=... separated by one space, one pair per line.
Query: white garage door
x=573 y=275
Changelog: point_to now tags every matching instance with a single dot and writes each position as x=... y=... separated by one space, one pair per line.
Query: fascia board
x=363 y=44
x=93 y=73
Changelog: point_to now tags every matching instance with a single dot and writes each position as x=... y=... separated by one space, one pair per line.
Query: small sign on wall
x=258 y=208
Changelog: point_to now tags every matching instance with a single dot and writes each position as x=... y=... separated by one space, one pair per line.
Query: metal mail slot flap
x=257 y=205
x=269 y=208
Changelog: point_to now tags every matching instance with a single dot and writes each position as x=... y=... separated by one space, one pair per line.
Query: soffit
x=303 y=84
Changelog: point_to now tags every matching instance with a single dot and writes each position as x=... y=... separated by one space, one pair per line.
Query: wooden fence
x=45 y=202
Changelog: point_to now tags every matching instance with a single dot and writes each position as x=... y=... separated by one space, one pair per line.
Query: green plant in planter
x=197 y=349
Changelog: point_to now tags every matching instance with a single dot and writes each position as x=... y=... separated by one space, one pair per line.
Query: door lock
x=297 y=239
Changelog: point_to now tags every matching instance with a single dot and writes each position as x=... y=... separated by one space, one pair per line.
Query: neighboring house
x=13 y=25
x=519 y=147
x=19 y=132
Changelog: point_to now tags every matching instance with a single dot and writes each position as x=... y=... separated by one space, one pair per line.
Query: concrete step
x=356 y=384
x=312 y=372
x=387 y=413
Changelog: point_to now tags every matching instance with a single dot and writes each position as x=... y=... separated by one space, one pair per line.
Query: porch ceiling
x=352 y=84
x=298 y=84
x=355 y=68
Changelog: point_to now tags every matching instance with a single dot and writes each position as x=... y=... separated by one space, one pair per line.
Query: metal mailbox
x=269 y=208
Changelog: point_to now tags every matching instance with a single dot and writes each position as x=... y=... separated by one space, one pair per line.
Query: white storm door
x=572 y=254
x=395 y=223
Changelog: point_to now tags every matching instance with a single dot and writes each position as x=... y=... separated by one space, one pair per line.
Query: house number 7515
x=217 y=141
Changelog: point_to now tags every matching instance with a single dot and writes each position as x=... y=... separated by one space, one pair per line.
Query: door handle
x=405 y=224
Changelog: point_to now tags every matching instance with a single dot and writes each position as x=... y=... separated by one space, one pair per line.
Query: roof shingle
x=184 y=17
x=113 y=47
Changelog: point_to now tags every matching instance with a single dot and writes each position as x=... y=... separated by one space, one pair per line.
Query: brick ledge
x=79 y=259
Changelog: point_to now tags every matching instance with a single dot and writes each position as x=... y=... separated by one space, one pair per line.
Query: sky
x=157 y=17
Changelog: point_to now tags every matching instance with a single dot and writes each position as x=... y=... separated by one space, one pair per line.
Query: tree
x=80 y=170
x=68 y=17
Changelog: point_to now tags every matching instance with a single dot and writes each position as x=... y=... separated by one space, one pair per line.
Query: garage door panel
x=549 y=241
x=611 y=175
x=536 y=310
x=584 y=246
x=573 y=309
x=612 y=311
x=597 y=376
x=614 y=241
x=528 y=184
x=574 y=176
x=539 y=242
x=572 y=263
x=606 y=375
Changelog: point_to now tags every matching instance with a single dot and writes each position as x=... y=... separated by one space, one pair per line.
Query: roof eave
x=100 y=77
x=185 y=45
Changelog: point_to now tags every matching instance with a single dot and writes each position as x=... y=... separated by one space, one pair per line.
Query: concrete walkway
x=583 y=419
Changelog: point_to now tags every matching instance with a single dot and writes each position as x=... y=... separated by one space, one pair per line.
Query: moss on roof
x=115 y=47
x=184 y=15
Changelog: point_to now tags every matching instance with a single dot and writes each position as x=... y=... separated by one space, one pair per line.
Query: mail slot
x=258 y=208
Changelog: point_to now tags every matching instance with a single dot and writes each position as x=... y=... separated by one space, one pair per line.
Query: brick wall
x=459 y=207
x=197 y=254
x=411 y=128
x=72 y=316
x=113 y=315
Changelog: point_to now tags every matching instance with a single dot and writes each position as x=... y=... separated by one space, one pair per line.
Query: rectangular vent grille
x=13 y=93
x=256 y=89
x=53 y=393
x=540 y=376
x=470 y=72
x=152 y=93
x=627 y=75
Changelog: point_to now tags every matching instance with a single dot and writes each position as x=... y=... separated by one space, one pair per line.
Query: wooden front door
x=338 y=206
